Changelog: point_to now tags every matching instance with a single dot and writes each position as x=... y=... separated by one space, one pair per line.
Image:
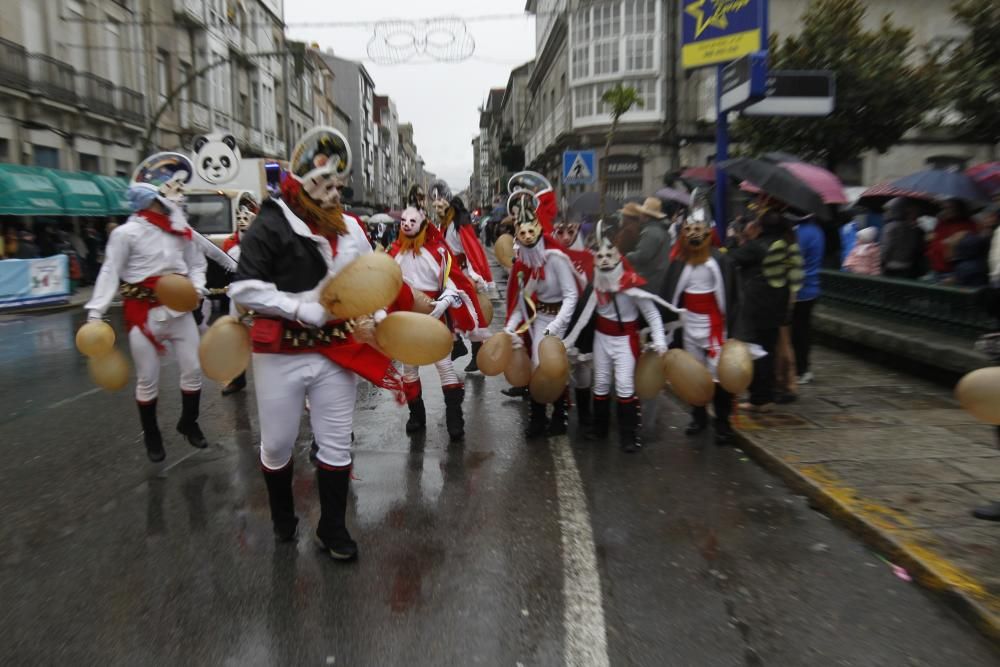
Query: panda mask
x=217 y=158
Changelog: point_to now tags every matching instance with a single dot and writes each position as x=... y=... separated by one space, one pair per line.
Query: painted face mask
x=528 y=231
x=167 y=172
x=607 y=257
x=411 y=223
x=244 y=218
x=441 y=208
x=321 y=161
x=566 y=233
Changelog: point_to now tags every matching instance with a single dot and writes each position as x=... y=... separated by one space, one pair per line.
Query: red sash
x=359 y=358
x=705 y=304
x=136 y=312
x=614 y=328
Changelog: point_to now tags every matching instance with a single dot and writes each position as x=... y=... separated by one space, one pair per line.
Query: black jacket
x=765 y=307
x=652 y=254
x=272 y=252
x=729 y=284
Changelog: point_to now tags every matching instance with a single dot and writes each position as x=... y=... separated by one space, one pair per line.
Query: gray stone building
x=388 y=158
x=354 y=91
x=73 y=89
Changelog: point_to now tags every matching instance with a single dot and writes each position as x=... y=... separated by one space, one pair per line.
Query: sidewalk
x=896 y=460
x=76 y=300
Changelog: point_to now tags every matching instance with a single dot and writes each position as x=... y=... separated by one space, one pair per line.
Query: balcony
x=13 y=65
x=551 y=128
x=131 y=106
x=192 y=10
x=96 y=94
x=52 y=78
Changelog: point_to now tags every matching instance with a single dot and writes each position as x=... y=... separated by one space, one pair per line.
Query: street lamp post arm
x=191 y=78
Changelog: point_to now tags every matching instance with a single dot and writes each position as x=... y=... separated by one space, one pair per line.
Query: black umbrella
x=588 y=205
x=778 y=183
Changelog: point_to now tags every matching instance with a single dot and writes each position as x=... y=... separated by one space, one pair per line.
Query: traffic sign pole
x=721 y=154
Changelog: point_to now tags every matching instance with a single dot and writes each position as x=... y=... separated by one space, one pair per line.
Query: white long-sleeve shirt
x=138 y=250
x=559 y=284
x=421 y=271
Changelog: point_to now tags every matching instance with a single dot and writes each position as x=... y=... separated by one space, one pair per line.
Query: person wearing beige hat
x=651 y=254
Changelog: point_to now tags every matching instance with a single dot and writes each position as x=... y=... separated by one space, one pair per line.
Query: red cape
x=547 y=211
x=474 y=252
x=460 y=316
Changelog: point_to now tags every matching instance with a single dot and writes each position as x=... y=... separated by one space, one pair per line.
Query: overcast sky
x=440 y=99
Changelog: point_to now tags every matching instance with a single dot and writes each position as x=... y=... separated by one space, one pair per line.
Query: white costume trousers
x=445 y=369
x=613 y=357
x=538 y=327
x=180 y=333
x=283 y=382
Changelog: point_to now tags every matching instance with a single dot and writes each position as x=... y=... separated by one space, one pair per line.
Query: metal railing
x=96 y=94
x=131 y=106
x=13 y=65
x=955 y=309
x=52 y=78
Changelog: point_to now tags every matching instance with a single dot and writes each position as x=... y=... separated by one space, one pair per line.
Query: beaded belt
x=297 y=338
x=139 y=292
x=549 y=308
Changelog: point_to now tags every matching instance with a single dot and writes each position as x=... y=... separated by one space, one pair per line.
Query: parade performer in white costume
x=155 y=241
x=615 y=305
x=701 y=279
x=428 y=266
x=293 y=248
x=543 y=290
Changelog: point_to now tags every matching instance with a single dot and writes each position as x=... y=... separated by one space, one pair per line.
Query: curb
x=40 y=310
x=929 y=572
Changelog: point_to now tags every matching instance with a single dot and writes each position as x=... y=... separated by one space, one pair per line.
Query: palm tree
x=620 y=99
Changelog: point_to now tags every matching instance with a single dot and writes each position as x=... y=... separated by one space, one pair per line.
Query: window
x=581 y=62
x=162 y=74
x=639 y=53
x=123 y=169
x=607 y=21
x=4 y=150
x=647 y=89
x=44 y=156
x=640 y=16
x=114 y=53
x=581 y=25
x=583 y=102
x=254 y=106
x=91 y=163
x=606 y=57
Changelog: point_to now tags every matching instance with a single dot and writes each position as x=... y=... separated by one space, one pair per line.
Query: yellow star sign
x=719 y=16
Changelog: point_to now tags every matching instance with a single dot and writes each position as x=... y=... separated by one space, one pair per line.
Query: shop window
x=91 y=163
x=44 y=156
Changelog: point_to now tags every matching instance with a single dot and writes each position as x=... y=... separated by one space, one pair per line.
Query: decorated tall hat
x=165 y=172
x=321 y=151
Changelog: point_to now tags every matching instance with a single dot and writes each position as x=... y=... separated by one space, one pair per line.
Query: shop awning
x=114 y=192
x=28 y=191
x=80 y=193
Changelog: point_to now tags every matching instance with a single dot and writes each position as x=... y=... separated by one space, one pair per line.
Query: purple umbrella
x=670 y=194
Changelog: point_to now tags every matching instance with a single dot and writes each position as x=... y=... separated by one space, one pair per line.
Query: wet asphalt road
x=703 y=559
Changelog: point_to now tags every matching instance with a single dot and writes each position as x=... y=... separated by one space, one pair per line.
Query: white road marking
x=586 y=643
x=69 y=400
x=164 y=471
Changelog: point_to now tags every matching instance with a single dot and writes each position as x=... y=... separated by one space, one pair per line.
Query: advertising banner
x=26 y=282
x=715 y=32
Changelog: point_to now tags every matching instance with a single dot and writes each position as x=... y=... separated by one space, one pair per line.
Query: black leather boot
x=151 y=432
x=332 y=530
x=583 y=413
x=560 y=416
x=628 y=425
x=418 y=416
x=473 y=366
x=602 y=418
x=279 y=496
x=188 y=425
x=699 y=421
x=723 y=403
x=537 y=421
x=453 y=397
x=515 y=392
x=458 y=349
x=236 y=386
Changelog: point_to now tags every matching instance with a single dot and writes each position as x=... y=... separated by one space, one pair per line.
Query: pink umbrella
x=822 y=182
x=986 y=176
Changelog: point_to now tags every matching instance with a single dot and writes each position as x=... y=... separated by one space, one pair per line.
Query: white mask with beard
x=608 y=267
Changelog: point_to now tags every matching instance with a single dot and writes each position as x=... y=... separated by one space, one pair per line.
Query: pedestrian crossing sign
x=579 y=167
